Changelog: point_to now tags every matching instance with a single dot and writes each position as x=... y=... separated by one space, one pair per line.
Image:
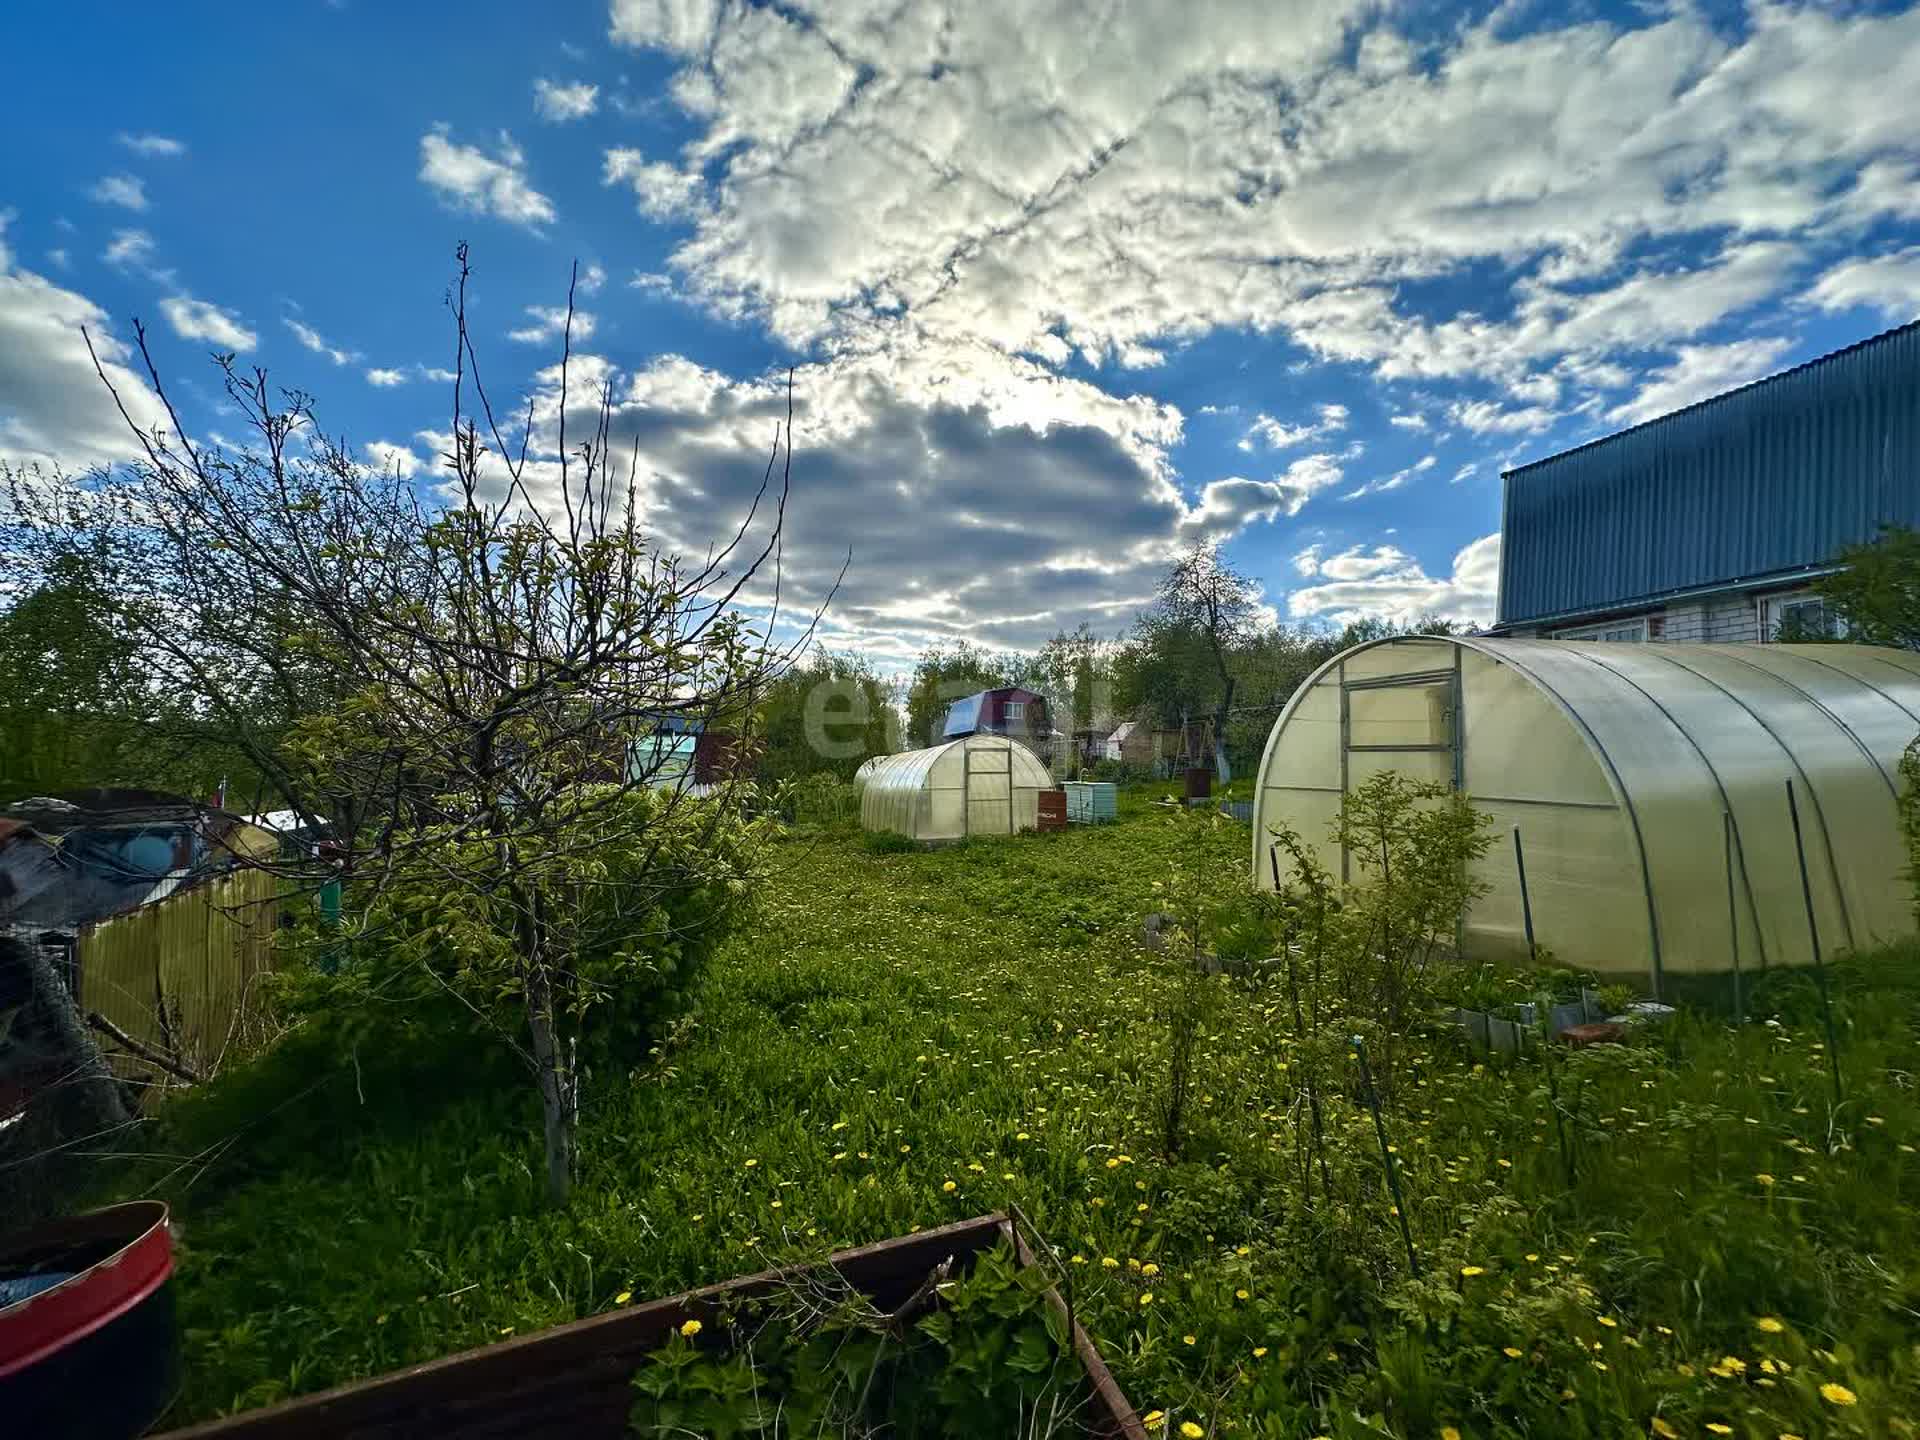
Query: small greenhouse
x=980 y=785
x=1648 y=783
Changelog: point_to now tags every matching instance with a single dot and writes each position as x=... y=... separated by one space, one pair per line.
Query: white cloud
x=1307 y=561
x=1386 y=582
x=128 y=191
x=316 y=342
x=664 y=192
x=1413 y=421
x=387 y=377
x=561 y=103
x=56 y=412
x=202 y=320
x=129 y=249
x=1887 y=283
x=1465 y=472
x=1395 y=481
x=1484 y=416
x=1699 y=372
x=1275 y=435
x=59 y=256
x=400 y=459
x=549 y=323
x=591 y=279
x=470 y=179
x=152 y=145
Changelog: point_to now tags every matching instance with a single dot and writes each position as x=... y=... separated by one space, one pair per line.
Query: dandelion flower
x=1153 y=1419
x=948 y=1188
x=1837 y=1394
x=1243 y=1294
x=1107 y=1262
x=1188 y=1340
x=1511 y=1352
x=1609 y=1322
x=1191 y=1430
x=1716 y=1428
x=690 y=1328
x=1259 y=1352
x=1448 y=1432
x=1664 y=1430
x=623 y=1297
x=1147 y=1298
x=1149 y=1269
x=1769 y=1324
x=1472 y=1270
x=1763 y=1178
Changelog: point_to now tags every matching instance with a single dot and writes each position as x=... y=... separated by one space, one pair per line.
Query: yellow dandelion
x=752 y=1163
x=949 y=1188
x=623 y=1297
x=1764 y=1178
x=1716 y=1428
x=1189 y=1340
x=1769 y=1324
x=1609 y=1322
x=1146 y=1298
x=1472 y=1270
x=1107 y=1262
x=1511 y=1352
x=1243 y=1294
x=1149 y=1269
x=1191 y=1430
x=1664 y=1430
x=1154 y=1419
x=1448 y=1432
x=1835 y=1394
x=1259 y=1352
x=690 y=1328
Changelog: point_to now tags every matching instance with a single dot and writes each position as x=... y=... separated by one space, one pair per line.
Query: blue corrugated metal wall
x=1774 y=477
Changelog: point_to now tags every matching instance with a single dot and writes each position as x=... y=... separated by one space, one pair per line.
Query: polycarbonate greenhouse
x=1648 y=783
x=979 y=785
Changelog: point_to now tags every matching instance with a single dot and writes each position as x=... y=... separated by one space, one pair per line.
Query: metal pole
x=1386 y=1154
x=1526 y=902
x=1819 y=960
x=1733 y=921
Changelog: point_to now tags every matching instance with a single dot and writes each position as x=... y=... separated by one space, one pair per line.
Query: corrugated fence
x=181 y=974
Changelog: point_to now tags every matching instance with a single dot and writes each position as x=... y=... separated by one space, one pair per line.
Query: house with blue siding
x=1712 y=523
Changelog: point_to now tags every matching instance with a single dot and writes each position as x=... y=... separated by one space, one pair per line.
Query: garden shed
x=1648 y=783
x=979 y=785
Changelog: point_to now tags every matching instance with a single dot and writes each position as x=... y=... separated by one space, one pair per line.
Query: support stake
x=1386 y=1155
x=1526 y=901
x=1819 y=960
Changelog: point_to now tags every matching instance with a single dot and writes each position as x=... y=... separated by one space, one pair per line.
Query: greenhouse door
x=989 y=788
x=1408 y=723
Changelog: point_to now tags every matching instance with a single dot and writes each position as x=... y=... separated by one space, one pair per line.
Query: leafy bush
x=655 y=891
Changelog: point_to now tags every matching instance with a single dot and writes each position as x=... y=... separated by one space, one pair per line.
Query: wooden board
x=572 y=1380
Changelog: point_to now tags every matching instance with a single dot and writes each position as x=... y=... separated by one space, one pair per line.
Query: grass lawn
x=902 y=1039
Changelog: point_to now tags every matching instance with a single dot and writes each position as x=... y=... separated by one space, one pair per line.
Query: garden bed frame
x=573 y=1380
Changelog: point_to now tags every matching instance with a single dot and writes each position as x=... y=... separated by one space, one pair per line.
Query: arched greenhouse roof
x=1647 y=782
x=980 y=785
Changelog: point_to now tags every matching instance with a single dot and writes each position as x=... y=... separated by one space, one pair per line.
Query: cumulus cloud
x=664 y=191
x=152 y=145
x=1887 y=283
x=127 y=191
x=1385 y=582
x=1698 y=373
x=202 y=320
x=388 y=377
x=129 y=249
x=560 y=103
x=400 y=459
x=57 y=414
x=470 y=179
x=549 y=323
x=1276 y=435
x=313 y=340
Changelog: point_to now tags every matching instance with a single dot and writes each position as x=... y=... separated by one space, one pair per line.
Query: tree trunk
x=556 y=1083
x=1220 y=761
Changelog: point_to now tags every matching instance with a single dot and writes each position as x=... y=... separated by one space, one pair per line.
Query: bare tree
x=461 y=684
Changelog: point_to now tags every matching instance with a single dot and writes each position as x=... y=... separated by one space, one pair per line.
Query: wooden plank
x=572 y=1380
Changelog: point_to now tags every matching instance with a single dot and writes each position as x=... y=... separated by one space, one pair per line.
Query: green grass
x=902 y=1039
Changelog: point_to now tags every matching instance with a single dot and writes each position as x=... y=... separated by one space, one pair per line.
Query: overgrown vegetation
x=909 y=1038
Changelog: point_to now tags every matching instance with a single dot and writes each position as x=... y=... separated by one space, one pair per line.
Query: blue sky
x=1067 y=286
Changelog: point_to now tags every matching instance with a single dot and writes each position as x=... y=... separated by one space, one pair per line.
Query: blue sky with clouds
x=1067 y=285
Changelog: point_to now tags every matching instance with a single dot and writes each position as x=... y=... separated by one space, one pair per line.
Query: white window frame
x=1609 y=631
x=1014 y=710
x=1773 y=610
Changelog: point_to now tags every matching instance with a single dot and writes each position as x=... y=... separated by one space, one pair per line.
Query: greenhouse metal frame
x=981 y=784
x=1649 y=784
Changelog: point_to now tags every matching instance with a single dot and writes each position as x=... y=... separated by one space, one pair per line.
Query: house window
x=1015 y=710
x=1802 y=614
x=1619 y=630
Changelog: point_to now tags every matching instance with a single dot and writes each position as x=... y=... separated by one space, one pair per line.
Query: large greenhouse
x=1648 y=783
x=980 y=785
